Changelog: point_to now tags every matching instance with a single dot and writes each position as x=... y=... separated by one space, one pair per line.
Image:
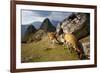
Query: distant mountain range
x=55 y=23
x=27 y=31
x=36 y=24
x=23 y=30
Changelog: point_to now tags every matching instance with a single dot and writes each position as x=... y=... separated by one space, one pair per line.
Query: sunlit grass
x=42 y=51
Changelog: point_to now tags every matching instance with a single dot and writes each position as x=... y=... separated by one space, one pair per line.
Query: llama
x=52 y=36
x=71 y=42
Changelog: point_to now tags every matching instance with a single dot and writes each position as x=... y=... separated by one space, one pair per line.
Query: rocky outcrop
x=85 y=43
x=77 y=24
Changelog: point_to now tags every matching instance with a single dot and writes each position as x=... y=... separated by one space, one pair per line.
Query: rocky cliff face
x=79 y=25
x=85 y=42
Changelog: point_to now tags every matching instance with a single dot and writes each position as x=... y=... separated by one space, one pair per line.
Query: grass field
x=42 y=51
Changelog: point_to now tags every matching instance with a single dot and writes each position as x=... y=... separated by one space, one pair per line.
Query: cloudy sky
x=30 y=16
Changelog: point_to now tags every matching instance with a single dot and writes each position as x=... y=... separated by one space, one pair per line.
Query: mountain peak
x=26 y=32
x=47 y=19
x=47 y=26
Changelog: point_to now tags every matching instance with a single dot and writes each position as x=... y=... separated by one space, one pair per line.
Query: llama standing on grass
x=72 y=43
x=52 y=37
